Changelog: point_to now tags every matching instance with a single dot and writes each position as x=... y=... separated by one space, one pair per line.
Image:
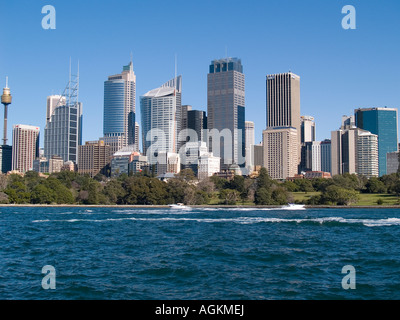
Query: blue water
x=116 y=253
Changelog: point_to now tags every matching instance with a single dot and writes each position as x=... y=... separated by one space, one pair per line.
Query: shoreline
x=192 y=206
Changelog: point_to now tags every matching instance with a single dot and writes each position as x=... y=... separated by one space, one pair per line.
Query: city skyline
x=343 y=59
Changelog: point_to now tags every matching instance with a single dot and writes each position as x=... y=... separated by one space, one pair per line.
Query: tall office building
x=282 y=137
x=311 y=156
x=382 y=122
x=197 y=121
x=308 y=147
x=160 y=110
x=283 y=101
x=367 y=157
x=226 y=111
x=63 y=131
x=354 y=150
x=120 y=109
x=258 y=156
x=137 y=141
x=307 y=125
x=249 y=133
x=280 y=147
x=25 y=147
x=326 y=155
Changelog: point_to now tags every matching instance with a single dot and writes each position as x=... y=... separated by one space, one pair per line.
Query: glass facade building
x=226 y=110
x=197 y=121
x=5 y=158
x=382 y=122
x=119 y=106
x=63 y=133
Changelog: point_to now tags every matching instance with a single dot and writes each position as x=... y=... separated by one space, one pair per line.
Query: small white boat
x=292 y=206
x=178 y=206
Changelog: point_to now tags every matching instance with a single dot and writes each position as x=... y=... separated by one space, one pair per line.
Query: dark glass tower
x=197 y=121
x=226 y=111
x=382 y=122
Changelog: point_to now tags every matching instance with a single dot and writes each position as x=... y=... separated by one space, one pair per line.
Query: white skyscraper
x=249 y=132
x=161 y=119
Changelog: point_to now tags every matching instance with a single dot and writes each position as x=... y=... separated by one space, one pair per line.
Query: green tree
x=374 y=185
x=145 y=191
x=264 y=180
x=62 y=195
x=279 y=196
x=263 y=196
x=18 y=192
x=390 y=182
x=304 y=185
x=42 y=195
x=114 y=192
x=263 y=189
x=186 y=175
x=229 y=196
x=339 y=196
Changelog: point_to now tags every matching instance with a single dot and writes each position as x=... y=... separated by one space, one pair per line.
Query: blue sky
x=340 y=69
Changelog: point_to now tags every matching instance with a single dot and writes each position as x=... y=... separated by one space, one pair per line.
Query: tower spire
x=6 y=99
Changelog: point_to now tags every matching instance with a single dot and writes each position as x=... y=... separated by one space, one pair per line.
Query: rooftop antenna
x=7 y=82
x=70 y=78
x=77 y=80
x=226 y=52
x=176 y=67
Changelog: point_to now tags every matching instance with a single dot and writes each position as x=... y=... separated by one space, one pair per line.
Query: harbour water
x=198 y=253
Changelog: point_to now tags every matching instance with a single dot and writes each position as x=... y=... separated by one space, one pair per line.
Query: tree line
x=143 y=189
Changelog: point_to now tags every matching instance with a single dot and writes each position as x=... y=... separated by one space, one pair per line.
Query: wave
x=251 y=220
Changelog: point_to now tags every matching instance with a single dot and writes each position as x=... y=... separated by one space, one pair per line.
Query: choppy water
x=208 y=253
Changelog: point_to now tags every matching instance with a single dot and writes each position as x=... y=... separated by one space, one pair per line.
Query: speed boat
x=178 y=206
x=293 y=206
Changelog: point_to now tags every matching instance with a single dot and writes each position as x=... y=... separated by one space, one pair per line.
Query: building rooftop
x=166 y=89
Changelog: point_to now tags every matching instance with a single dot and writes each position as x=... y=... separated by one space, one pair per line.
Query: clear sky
x=340 y=69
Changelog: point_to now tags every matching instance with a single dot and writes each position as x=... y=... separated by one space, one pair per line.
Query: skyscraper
x=326 y=156
x=283 y=101
x=282 y=137
x=307 y=129
x=160 y=110
x=197 y=121
x=120 y=109
x=249 y=130
x=354 y=150
x=137 y=141
x=382 y=122
x=25 y=147
x=367 y=154
x=226 y=111
x=63 y=132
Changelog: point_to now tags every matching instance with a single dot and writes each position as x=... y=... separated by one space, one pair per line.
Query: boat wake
x=250 y=220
